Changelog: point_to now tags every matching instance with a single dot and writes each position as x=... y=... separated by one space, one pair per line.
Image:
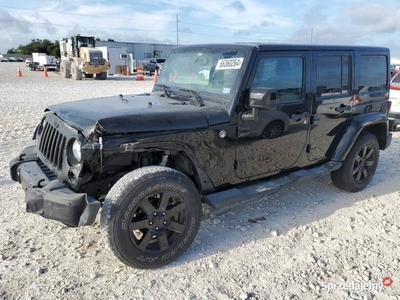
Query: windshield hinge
x=243 y=130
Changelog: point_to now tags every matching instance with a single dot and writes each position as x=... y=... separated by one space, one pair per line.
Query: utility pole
x=177 y=30
x=312 y=29
x=145 y=47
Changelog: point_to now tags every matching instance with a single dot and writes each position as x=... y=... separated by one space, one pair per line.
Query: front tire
x=150 y=217
x=76 y=72
x=359 y=166
x=273 y=130
x=101 y=76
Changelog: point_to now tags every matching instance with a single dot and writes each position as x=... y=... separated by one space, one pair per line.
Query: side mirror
x=262 y=98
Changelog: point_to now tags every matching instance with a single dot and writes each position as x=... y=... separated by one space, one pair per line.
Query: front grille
x=50 y=175
x=52 y=144
x=96 y=58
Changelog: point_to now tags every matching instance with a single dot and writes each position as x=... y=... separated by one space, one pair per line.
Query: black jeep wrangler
x=223 y=123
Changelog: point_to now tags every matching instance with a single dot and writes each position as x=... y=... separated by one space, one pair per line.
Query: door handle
x=298 y=116
x=341 y=109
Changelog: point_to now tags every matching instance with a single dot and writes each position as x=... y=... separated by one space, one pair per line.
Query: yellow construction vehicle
x=79 y=58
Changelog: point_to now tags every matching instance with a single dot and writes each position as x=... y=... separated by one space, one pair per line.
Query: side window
x=373 y=73
x=284 y=74
x=333 y=75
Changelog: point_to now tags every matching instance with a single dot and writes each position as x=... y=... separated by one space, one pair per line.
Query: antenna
x=145 y=58
x=177 y=30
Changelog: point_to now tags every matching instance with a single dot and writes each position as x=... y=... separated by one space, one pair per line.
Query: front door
x=276 y=138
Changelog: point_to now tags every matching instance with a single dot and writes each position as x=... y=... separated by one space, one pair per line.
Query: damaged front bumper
x=51 y=199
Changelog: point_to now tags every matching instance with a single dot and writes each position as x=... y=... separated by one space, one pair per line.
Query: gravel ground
x=307 y=241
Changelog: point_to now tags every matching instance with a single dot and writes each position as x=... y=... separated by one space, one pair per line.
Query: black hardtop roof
x=288 y=47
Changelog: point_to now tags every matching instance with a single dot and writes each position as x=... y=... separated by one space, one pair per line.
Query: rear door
x=372 y=81
x=332 y=99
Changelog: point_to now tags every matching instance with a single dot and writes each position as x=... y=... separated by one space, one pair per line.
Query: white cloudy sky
x=361 y=22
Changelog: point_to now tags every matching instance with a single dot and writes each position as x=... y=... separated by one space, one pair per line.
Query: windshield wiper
x=165 y=88
x=195 y=95
x=171 y=95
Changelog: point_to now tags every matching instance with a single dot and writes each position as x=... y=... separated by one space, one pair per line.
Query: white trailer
x=43 y=61
x=36 y=56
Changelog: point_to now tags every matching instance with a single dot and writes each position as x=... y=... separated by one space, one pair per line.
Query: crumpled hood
x=136 y=113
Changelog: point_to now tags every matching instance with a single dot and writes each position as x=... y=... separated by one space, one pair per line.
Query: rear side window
x=333 y=75
x=373 y=73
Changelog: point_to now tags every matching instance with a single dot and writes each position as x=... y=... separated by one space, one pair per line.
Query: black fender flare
x=203 y=180
x=375 y=122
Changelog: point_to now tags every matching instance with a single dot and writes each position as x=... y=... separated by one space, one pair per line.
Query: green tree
x=38 y=45
x=12 y=51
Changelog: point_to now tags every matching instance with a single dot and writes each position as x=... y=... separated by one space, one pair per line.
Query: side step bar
x=233 y=196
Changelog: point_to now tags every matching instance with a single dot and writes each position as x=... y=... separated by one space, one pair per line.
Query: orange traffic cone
x=19 y=72
x=139 y=73
x=45 y=73
x=155 y=75
x=128 y=73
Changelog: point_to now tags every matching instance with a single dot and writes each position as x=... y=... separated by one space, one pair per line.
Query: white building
x=131 y=55
x=395 y=61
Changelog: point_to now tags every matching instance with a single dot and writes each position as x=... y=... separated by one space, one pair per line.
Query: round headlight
x=74 y=153
x=76 y=150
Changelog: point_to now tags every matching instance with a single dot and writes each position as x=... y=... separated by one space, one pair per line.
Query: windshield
x=211 y=72
x=85 y=41
x=160 y=60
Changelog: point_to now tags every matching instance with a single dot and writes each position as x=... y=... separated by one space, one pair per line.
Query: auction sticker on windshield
x=229 y=63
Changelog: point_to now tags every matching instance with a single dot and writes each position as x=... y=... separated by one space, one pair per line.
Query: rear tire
x=150 y=217
x=64 y=70
x=359 y=166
